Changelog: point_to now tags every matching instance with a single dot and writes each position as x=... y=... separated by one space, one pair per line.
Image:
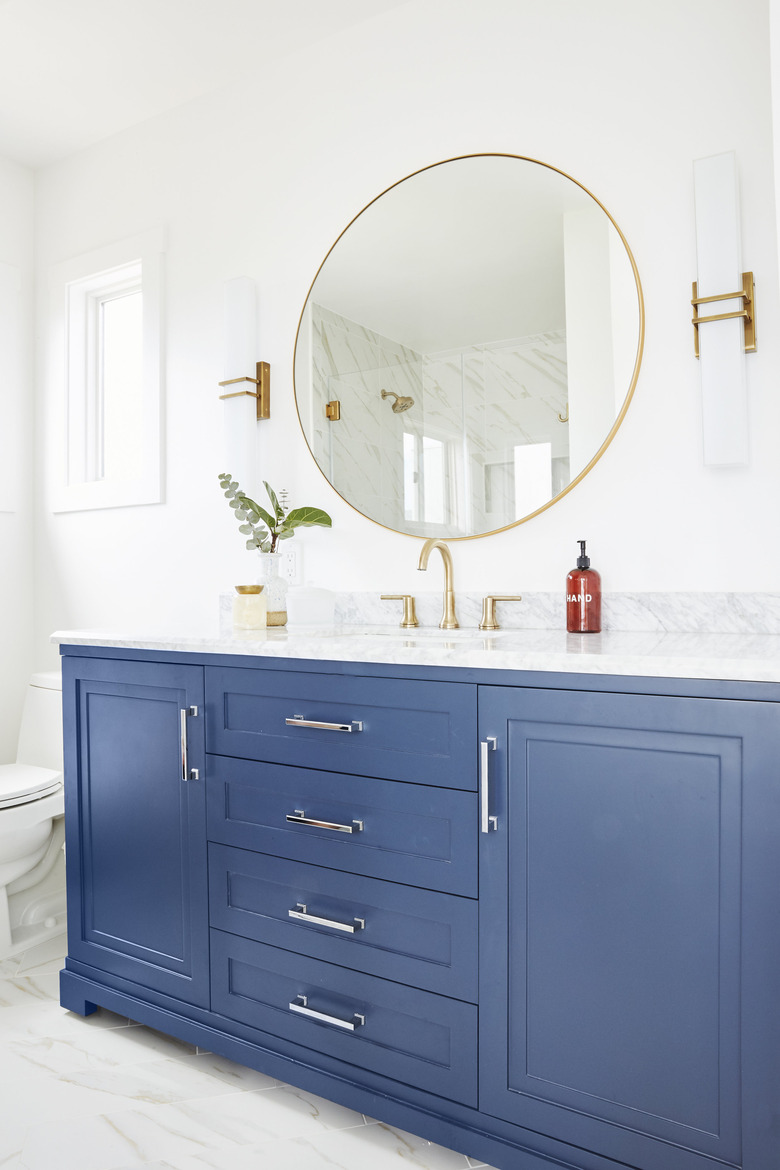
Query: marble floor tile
x=47 y=956
x=11 y=1145
x=50 y=1019
x=105 y=1093
x=379 y=1147
x=17 y=990
x=238 y=1076
x=73 y=1044
x=254 y=1116
x=169 y=1133
x=9 y=967
x=23 y=1100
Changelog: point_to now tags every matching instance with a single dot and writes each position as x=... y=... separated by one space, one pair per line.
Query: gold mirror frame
x=634 y=377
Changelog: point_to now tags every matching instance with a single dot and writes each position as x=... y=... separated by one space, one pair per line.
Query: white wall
x=260 y=180
x=17 y=480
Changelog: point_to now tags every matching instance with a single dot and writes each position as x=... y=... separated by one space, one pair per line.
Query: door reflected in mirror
x=480 y=325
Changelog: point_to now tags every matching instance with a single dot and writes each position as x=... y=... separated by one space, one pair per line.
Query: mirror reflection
x=468 y=347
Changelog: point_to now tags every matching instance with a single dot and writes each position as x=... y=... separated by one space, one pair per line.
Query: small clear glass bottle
x=249 y=608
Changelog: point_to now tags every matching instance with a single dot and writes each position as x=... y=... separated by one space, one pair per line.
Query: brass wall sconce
x=748 y=313
x=730 y=334
x=246 y=399
x=262 y=394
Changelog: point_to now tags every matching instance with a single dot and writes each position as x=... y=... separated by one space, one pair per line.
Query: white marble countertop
x=734 y=657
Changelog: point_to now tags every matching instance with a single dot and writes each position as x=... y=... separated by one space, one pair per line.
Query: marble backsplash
x=715 y=613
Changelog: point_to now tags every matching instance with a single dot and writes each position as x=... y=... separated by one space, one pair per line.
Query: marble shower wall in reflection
x=362 y=453
x=449 y=460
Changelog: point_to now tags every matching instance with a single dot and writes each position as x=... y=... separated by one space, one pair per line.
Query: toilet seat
x=22 y=783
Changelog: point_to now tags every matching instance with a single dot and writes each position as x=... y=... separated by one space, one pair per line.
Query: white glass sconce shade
x=721 y=343
x=239 y=408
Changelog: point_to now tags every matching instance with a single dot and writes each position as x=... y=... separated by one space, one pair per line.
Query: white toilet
x=32 y=864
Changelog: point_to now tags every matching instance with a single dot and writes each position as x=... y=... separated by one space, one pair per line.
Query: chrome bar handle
x=187 y=773
x=487 y=822
x=299 y=721
x=301 y=913
x=300 y=1003
x=299 y=818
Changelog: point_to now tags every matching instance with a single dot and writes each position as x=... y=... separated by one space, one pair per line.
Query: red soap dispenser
x=583 y=597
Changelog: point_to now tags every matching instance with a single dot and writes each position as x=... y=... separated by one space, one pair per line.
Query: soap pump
x=583 y=597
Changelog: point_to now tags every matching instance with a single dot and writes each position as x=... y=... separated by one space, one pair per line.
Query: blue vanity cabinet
x=136 y=827
x=629 y=924
x=545 y=933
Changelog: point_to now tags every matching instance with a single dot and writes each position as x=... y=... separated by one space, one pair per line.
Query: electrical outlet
x=292 y=565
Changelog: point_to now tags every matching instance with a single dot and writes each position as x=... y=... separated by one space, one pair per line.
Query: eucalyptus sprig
x=265 y=529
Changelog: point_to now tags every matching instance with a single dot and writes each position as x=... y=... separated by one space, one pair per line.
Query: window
x=430 y=470
x=12 y=389
x=110 y=406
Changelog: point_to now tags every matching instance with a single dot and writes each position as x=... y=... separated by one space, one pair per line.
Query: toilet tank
x=40 y=735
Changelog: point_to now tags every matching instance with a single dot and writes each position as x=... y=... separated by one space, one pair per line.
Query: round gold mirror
x=469 y=347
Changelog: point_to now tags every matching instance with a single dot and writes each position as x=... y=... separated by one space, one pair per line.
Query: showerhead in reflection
x=401 y=403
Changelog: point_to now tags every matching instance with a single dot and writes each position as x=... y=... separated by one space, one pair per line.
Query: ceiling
x=470 y=252
x=75 y=71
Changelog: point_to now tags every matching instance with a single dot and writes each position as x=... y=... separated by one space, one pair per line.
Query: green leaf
x=274 y=501
x=250 y=544
x=250 y=503
x=247 y=529
x=307 y=517
x=234 y=504
x=285 y=533
x=266 y=517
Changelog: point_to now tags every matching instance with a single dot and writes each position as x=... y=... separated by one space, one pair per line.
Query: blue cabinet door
x=136 y=830
x=629 y=952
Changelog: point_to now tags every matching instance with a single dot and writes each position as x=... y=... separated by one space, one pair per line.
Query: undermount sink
x=428 y=633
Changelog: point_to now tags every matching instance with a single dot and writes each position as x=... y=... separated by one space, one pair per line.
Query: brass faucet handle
x=410 y=617
x=489 y=609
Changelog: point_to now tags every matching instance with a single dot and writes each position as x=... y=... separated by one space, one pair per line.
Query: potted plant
x=264 y=530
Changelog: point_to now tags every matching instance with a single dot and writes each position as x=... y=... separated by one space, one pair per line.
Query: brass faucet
x=448 y=619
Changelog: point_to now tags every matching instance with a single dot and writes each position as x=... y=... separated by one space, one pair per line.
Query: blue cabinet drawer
x=425 y=939
x=401 y=730
x=411 y=1036
x=406 y=833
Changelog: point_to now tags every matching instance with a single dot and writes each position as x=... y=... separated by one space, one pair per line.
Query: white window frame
x=12 y=390
x=78 y=287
